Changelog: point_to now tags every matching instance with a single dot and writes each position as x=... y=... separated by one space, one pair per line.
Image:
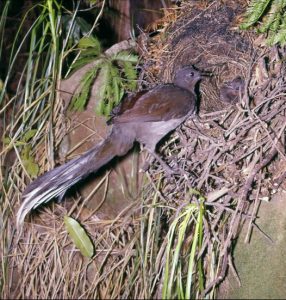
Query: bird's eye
x=192 y=74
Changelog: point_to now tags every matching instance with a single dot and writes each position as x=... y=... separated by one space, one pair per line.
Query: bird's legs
x=164 y=165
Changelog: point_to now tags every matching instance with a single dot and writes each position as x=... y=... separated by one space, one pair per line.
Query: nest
x=233 y=155
x=229 y=158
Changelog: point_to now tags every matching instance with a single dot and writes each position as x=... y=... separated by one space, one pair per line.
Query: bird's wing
x=162 y=103
x=126 y=103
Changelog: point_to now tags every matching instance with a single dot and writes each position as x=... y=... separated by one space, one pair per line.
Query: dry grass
x=227 y=162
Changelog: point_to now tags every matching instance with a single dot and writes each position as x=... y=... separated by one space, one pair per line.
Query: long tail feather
x=57 y=181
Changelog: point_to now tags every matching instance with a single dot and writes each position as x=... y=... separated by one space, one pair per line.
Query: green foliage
x=79 y=100
x=26 y=155
x=79 y=237
x=254 y=12
x=117 y=74
x=184 y=259
x=28 y=161
x=90 y=42
x=272 y=14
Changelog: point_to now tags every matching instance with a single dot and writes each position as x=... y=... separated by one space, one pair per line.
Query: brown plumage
x=231 y=91
x=145 y=117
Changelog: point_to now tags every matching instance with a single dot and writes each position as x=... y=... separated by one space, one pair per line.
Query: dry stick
x=267 y=117
x=278 y=181
x=224 y=253
x=264 y=163
x=268 y=238
x=278 y=148
x=253 y=214
x=91 y=194
x=256 y=169
x=218 y=278
x=233 y=270
x=246 y=189
x=246 y=97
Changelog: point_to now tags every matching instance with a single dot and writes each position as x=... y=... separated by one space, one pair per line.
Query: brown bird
x=145 y=117
x=231 y=91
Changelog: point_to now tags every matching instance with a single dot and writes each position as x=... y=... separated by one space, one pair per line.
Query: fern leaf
x=108 y=98
x=116 y=81
x=130 y=75
x=80 y=99
x=117 y=72
x=276 y=23
x=81 y=62
x=102 y=91
x=279 y=37
x=125 y=56
x=90 y=50
x=90 y=42
x=254 y=12
x=270 y=21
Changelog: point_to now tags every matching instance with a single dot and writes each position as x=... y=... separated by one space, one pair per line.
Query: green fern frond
x=125 y=56
x=102 y=91
x=90 y=42
x=90 y=50
x=271 y=21
x=80 y=99
x=117 y=73
x=254 y=12
x=274 y=21
x=82 y=62
x=116 y=83
x=121 y=76
x=280 y=36
x=130 y=75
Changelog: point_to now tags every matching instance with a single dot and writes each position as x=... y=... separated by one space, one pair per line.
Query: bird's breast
x=150 y=133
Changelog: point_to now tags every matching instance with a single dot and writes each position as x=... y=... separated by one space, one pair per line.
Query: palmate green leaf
x=117 y=74
x=273 y=23
x=276 y=23
x=79 y=237
x=91 y=53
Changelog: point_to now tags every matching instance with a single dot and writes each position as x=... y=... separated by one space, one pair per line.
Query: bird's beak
x=206 y=74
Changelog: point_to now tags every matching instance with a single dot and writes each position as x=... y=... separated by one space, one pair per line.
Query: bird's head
x=187 y=77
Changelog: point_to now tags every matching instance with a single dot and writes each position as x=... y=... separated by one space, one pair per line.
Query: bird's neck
x=190 y=86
